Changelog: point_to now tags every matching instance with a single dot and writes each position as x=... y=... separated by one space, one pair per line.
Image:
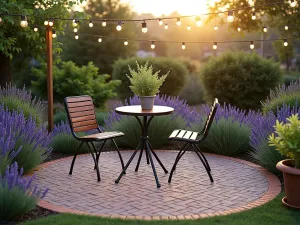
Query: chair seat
x=184 y=135
x=103 y=136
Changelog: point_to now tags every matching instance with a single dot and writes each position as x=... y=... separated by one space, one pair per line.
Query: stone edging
x=273 y=190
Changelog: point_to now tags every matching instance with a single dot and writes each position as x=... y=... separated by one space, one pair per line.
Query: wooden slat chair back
x=82 y=118
x=192 y=139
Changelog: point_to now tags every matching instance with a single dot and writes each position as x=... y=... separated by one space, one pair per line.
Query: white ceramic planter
x=147 y=102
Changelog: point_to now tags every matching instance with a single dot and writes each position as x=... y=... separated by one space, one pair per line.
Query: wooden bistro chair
x=82 y=118
x=192 y=139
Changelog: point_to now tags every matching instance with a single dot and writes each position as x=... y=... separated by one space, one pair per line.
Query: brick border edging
x=274 y=188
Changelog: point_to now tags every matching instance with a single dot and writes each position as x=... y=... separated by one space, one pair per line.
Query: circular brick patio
x=239 y=185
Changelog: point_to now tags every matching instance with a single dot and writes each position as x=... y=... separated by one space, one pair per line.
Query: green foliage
x=276 y=103
x=159 y=130
x=70 y=80
x=240 y=78
x=286 y=140
x=87 y=48
x=61 y=116
x=67 y=144
x=144 y=82
x=226 y=137
x=193 y=66
x=267 y=157
x=173 y=84
x=193 y=91
x=288 y=79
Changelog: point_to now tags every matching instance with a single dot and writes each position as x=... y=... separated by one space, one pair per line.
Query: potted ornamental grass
x=286 y=140
x=145 y=84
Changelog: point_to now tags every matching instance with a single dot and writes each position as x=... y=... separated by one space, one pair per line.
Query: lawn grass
x=272 y=213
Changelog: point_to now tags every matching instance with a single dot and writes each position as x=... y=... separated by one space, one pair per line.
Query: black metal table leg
x=157 y=159
x=152 y=165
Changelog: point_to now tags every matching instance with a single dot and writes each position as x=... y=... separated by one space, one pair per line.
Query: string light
x=23 y=22
x=75 y=23
x=183 y=45
x=230 y=17
x=35 y=29
x=251 y=45
x=216 y=28
x=285 y=43
x=153 y=45
x=91 y=23
x=1 y=20
x=54 y=34
x=239 y=29
x=188 y=27
x=178 y=22
x=46 y=22
x=51 y=23
x=215 y=46
x=286 y=27
x=160 y=22
x=198 y=22
x=265 y=29
x=126 y=42
x=103 y=24
x=76 y=36
x=166 y=26
x=99 y=39
x=144 y=27
x=75 y=30
x=293 y=3
x=119 y=26
x=253 y=16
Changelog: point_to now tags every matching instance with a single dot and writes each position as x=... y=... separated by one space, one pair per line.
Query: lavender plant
x=17 y=193
x=21 y=140
x=21 y=100
x=282 y=95
x=182 y=117
x=230 y=131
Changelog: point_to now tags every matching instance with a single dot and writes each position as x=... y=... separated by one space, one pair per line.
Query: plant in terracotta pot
x=145 y=84
x=286 y=140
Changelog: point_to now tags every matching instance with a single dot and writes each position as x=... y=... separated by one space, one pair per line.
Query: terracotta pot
x=291 y=178
x=147 y=102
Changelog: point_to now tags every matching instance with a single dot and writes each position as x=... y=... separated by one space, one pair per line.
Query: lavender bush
x=17 y=196
x=21 y=100
x=160 y=127
x=283 y=95
x=21 y=140
x=230 y=131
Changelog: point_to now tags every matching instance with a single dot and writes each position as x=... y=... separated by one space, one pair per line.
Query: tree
x=24 y=42
x=285 y=53
x=87 y=48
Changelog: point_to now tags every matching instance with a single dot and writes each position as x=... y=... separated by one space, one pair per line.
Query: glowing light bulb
x=253 y=16
x=265 y=29
x=51 y=23
x=23 y=22
x=54 y=34
x=189 y=28
x=119 y=26
x=103 y=24
x=216 y=28
x=75 y=30
x=166 y=26
x=286 y=27
x=252 y=45
x=293 y=3
x=198 y=22
x=215 y=46
x=99 y=39
x=76 y=36
x=285 y=43
x=144 y=27
x=46 y=22
x=183 y=45
x=35 y=29
x=178 y=22
x=75 y=23
x=1 y=20
x=153 y=45
x=126 y=42
x=239 y=29
x=160 y=22
x=230 y=17
x=91 y=23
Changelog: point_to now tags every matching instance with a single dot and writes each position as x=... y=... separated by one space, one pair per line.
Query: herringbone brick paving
x=190 y=193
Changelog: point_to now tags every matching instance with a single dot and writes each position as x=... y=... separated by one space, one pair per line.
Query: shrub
x=240 y=78
x=282 y=95
x=160 y=128
x=230 y=132
x=173 y=84
x=70 y=80
x=22 y=141
x=18 y=100
x=193 y=91
x=192 y=66
x=288 y=79
x=61 y=116
x=264 y=154
x=16 y=194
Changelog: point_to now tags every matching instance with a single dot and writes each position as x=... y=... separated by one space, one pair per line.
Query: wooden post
x=49 y=78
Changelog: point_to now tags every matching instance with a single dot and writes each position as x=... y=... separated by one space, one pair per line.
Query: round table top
x=136 y=110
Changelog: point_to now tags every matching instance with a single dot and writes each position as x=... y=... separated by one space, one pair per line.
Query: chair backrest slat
x=210 y=118
x=81 y=113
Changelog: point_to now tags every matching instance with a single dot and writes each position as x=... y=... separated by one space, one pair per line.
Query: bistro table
x=148 y=115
